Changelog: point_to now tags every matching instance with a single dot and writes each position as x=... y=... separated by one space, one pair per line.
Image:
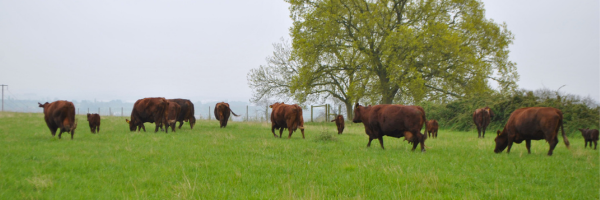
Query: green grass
x=244 y=161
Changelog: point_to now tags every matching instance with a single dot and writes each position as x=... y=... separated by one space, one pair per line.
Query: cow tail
x=567 y=143
x=233 y=113
x=299 y=118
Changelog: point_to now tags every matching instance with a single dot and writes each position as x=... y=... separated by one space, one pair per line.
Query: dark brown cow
x=286 y=116
x=222 y=111
x=94 y=120
x=482 y=117
x=339 y=122
x=60 y=114
x=153 y=110
x=590 y=135
x=432 y=128
x=533 y=123
x=172 y=114
x=394 y=121
x=187 y=112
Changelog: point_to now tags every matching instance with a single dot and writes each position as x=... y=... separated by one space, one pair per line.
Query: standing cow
x=187 y=112
x=432 y=128
x=173 y=113
x=222 y=111
x=533 y=123
x=286 y=116
x=339 y=122
x=94 y=121
x=590 y=135
x=60 y=114
x=153 y=110
x=392 y=120
x=482 y=118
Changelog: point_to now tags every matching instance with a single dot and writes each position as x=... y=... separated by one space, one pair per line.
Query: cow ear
x=498 y=132
x=127 y=121
x=88 y=115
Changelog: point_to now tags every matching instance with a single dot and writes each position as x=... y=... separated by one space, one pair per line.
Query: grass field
x=244 y=161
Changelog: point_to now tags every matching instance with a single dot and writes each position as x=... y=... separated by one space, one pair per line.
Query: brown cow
x=590 y=135
x=222 y=111
x=392 y=120
x=172 y=114
x=432 y=128
x=482 y=118
x=286 y=116
x=94 y=120
x=60 y=114
x=187 y=112
x=533 y=123
x=153 y=110
x=339 y=122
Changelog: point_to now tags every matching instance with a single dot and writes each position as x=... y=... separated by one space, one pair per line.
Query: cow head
x=132 y=125
x=74 y=127
x=501 y=141
x=357 y=116
x=88 y=116
x=488 y=110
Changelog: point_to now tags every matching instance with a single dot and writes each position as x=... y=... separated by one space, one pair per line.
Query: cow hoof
x=423 y=150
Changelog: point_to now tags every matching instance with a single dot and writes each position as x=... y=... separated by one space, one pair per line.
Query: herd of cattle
x=525 y=124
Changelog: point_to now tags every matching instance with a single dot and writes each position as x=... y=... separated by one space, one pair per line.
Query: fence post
x=109 y=112
x=98 y=111
x=208 y=113
x=311 y=113
x=246 y=113
x=77 y=110
x=267 y=114
x=88 y=110
x=339 y=110
x=121 y=111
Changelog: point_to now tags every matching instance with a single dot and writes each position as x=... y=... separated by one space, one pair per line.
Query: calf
x=482 y=118
x=172 y=114
x=432 y=128
x=590 y=135
x=222 y=111
x=94 y=120
x=339 y=122
x=60 y=114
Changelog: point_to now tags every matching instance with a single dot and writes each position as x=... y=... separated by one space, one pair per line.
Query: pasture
x=244 y=161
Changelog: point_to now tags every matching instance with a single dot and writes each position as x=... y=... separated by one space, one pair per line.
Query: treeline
x=458 y=115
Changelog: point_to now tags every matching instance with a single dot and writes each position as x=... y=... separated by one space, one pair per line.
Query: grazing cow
x=432 y=128
x=590 y=135
x=60 y=114
x=482 y=117
x=286 y=116
x=339 y=122
x=187 y=112
x=533 y=123
x=153 y=110
x=392 y=120
x=172 y=114
x=94 y=120
x=222 y=111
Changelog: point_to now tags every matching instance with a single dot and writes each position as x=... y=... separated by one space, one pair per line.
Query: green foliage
x=245 y=161
x=458 y=114
x=406 y=51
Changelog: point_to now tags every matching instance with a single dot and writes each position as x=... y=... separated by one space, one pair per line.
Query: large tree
x=411 y=50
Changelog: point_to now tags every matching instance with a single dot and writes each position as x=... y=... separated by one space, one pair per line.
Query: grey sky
x=202 y=50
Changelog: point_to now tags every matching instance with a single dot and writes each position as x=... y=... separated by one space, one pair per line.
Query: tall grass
x=245 y=161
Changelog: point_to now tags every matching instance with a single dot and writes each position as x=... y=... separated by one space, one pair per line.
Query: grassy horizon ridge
x=245 y=161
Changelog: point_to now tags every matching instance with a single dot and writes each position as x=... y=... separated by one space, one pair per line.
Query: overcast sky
x=203 y=50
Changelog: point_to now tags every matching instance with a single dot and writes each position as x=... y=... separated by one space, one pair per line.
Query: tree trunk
x=349 y=111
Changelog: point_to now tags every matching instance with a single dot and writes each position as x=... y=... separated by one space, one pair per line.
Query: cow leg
x=302 y=131
x=478 y=132
x=510 y=143
x=273 y=130
x=72 y=133
x=595 y=145
x=380 y=141
x=436 y=132
x=280 y=132
x=415 y=145
x=291 y=131
x=370 y=139
x=586 y=144
x=98 y=129
x=422 y=141
x=483 y=131
x=180 y=124
x=60 y=133
x=553 y=144
x=528 y=145
x=53 y=131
